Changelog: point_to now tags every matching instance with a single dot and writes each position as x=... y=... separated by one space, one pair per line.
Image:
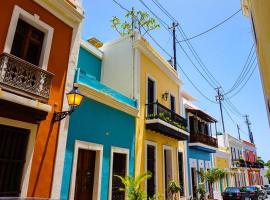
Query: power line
x=120 y=5
x=212 y=28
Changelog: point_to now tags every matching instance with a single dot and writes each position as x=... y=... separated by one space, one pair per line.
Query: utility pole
x=174 y=25
x=238 y=129
x=249 y=129
x=220 y=98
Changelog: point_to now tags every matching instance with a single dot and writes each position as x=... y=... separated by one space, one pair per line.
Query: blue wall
x=198 y=155
x=90 y=122
x=89 y=64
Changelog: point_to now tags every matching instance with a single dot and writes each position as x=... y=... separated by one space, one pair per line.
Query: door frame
x=166 y=147
x=122 y=151
x=29 y=151
x=98 y=167
x=154 y=144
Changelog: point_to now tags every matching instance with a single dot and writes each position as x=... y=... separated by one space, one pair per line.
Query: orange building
x=39 y=43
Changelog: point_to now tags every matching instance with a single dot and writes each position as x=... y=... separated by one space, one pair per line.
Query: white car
x=263 y=191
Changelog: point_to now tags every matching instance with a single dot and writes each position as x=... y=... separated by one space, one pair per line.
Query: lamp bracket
x=58 y=116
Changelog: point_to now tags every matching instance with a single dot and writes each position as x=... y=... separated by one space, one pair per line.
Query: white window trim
x=33 y=20
x=29 y=151
x=98 y=167
x=122 y=151
x=147 y=142
x=166 y=147
x=192 y=164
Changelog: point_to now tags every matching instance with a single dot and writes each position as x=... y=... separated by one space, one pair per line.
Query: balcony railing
x=204 y=139
x=23 y=78
x=158 y=111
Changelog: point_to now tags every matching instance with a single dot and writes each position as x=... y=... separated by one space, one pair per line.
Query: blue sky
x=223 y=50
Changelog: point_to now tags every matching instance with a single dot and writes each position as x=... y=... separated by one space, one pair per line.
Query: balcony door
x=150 y=95
x=27 y=43
x=168 y=170
x=13 y=146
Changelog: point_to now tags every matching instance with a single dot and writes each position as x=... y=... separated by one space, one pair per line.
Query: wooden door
x=119 y=169
x=151 y=167
x=85 y=175
x=168 y=171
x=194 y=182
x=13 y=146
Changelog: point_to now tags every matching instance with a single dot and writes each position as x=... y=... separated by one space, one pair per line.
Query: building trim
x=147 y=142
x=98 y=167
x=91 y=49
x=122 y=151
x=19 y=13
x=24 y=101
x=30 y=150
x=106 y=99
x=202 y=145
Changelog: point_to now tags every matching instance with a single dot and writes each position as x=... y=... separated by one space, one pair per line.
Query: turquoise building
x=201 y=145
x=101 y=136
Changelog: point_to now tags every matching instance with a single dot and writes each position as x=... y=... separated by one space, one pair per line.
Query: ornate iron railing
x=203 y=138
x=158 y=111
x=23 y=78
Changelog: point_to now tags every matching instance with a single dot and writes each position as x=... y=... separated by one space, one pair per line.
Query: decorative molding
x=202 y=145
x=63 y=10
x=106 y=99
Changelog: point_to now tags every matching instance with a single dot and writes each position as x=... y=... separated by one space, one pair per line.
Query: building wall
x=47 y=134
x=118 y=130
x=259 y=13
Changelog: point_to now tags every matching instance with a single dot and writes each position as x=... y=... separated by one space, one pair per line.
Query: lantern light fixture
x=165 y=95
x=74 y=98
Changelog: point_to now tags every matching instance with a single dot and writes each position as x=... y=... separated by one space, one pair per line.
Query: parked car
x=267 y=188
x=233 y=193
x=254 y=192
x=263 y=191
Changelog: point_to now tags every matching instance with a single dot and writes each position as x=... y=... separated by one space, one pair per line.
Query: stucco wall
x=97 y=123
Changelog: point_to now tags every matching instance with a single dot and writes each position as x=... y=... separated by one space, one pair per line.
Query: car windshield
x=267 y=186
x=250 y=188
x=232 y=189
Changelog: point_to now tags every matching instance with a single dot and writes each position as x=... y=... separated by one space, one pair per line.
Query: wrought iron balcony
x=23 y=78
x=161 y=119
x=204 y=139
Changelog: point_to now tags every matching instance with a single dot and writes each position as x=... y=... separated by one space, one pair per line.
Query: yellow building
x=259 y=13
x=133 y=67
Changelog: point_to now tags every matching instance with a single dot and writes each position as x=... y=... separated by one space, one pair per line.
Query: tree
x=267 y=175
x=133 y=186
x=139 y=21
x=267 y=163
x=173 y=189
x=211 y=176
x=260 y=160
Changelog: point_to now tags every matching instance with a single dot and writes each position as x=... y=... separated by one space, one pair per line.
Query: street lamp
x=74 y=98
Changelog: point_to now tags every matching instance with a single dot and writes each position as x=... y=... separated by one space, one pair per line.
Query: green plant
x=267 y=175
x=132 y=186
x=267 y=164
x=173 y=189
x=135 y=20
x=211 y=176
x=201 y=190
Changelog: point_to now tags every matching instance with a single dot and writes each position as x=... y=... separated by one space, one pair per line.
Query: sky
x=223 y=51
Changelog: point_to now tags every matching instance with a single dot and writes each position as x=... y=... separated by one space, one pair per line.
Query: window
x=119 y=167
x=150 y=95
x=27 y=43
x=181 y=173
x=172 y=99
x=151 y=167
x=191 y=124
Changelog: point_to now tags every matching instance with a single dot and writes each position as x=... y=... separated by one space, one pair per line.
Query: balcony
x=25 y=79
x=163 y=120
x=203 y=139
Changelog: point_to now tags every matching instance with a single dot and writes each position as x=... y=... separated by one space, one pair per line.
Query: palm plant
x=173 y=189
x=211 y=176
x=132 y=186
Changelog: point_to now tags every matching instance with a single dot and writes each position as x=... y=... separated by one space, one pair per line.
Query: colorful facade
x=39 y=47
x=201 y=145
x=258 y=12
x=160 y=130
x=101 y=136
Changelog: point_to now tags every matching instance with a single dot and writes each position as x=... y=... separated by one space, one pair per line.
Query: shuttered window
x=181 y=173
